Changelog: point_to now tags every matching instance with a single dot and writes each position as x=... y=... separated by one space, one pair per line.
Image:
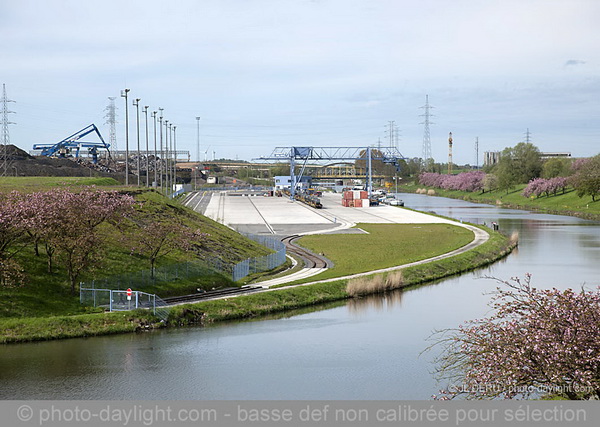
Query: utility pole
x=427 y=157
x=162 y=154
x=5 y=160
x=124 y=95
x=155 y=153
x=147 y=154
x=136 y=102
x=175 y=157
x=198 y=139
x=167 y=158
x=450 y=154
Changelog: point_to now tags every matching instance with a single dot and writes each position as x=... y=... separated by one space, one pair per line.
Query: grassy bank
x=243 y=307
x=562 y=204
x=47 y=294
x=385 y=245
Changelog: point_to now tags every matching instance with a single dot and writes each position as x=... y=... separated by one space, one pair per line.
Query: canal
x=367 y=349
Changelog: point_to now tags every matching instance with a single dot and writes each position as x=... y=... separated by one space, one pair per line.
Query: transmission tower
x=111 y=120
x=5 y=159
x=427 y=157
x=392 y=131
x=477 y=153
x=527 y=136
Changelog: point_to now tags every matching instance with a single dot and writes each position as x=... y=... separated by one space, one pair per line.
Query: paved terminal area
x=281 y=216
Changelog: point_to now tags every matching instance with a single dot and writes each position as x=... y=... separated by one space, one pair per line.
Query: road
x=282 y=217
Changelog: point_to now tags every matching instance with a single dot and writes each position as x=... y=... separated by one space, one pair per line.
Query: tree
x=12 y=230
x=155 y=239
x=71 y=228
x=518 y=165
x=555 y=167
x=535 y=340
x=586 y=180
x=490 y=182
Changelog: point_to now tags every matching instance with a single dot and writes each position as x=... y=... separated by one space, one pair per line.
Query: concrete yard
x=279 y=215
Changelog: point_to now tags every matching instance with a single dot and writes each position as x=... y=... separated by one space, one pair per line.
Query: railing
x=182 y=271
x=119 y=300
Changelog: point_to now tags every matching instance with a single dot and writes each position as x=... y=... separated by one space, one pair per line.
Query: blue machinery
x=389 y=155
x=64 y=147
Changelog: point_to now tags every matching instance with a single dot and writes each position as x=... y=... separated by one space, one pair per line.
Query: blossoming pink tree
x=535 y=341
x=70 y=225
x=155 y=239
x=12 y=229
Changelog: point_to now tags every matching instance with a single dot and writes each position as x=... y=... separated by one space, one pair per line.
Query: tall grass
x=377 y=284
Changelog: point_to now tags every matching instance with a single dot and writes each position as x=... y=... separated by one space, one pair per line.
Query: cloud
x=573 y=62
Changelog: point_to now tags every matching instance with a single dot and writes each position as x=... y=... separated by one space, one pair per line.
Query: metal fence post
x=110 y=300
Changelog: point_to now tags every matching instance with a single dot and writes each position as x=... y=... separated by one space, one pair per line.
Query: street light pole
x=136 y=102
x=155 y=153
x=167 y=158
x=175 y=156
x=124 y=95
x=147 y=154
x=162 y=157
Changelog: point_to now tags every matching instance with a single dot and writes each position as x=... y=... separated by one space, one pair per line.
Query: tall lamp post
x=162 y=157
x=167 y=159
x=136 y=102
x=147 y=154
x=174 y=157
x=155 y=153
x=197 y=151
x=124 y=95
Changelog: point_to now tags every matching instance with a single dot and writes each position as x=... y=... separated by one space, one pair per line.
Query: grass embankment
x=243 y=307
x=28 y=184
x=562 y=204
x=497 y=247
x=385 y=245
x=47 y=294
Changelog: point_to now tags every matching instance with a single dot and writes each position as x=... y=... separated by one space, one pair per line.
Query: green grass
x=29 y=184
x=83 y=325
x=243 y=307
x=386 y=245
x=565 y=204
x=47 y=294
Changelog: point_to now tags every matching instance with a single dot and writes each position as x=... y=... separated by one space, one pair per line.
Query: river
x=370 y=349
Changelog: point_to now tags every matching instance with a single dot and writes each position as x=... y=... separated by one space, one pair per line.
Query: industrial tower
x=5 y=160
x=527 y=136
x=427 y=157
x=111 y=121
x=450 y=154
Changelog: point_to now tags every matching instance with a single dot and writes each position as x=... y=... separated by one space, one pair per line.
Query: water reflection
x=367 y=348
x=365 y=304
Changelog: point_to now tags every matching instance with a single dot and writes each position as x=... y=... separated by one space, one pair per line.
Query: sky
x=269 y=73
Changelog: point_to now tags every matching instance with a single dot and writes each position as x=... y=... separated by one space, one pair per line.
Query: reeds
x=375 y=284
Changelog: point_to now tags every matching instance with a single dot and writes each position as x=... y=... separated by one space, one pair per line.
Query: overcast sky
x=267 y=73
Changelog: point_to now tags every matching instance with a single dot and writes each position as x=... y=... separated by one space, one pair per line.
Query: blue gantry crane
x=72 y=143
x=389 y=155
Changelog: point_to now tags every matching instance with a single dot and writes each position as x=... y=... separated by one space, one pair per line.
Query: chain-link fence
x=119 y=300
x=263 y=263
x=195 y=269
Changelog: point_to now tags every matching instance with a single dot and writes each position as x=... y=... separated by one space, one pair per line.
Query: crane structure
x=302 y=155
x=72 y=142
